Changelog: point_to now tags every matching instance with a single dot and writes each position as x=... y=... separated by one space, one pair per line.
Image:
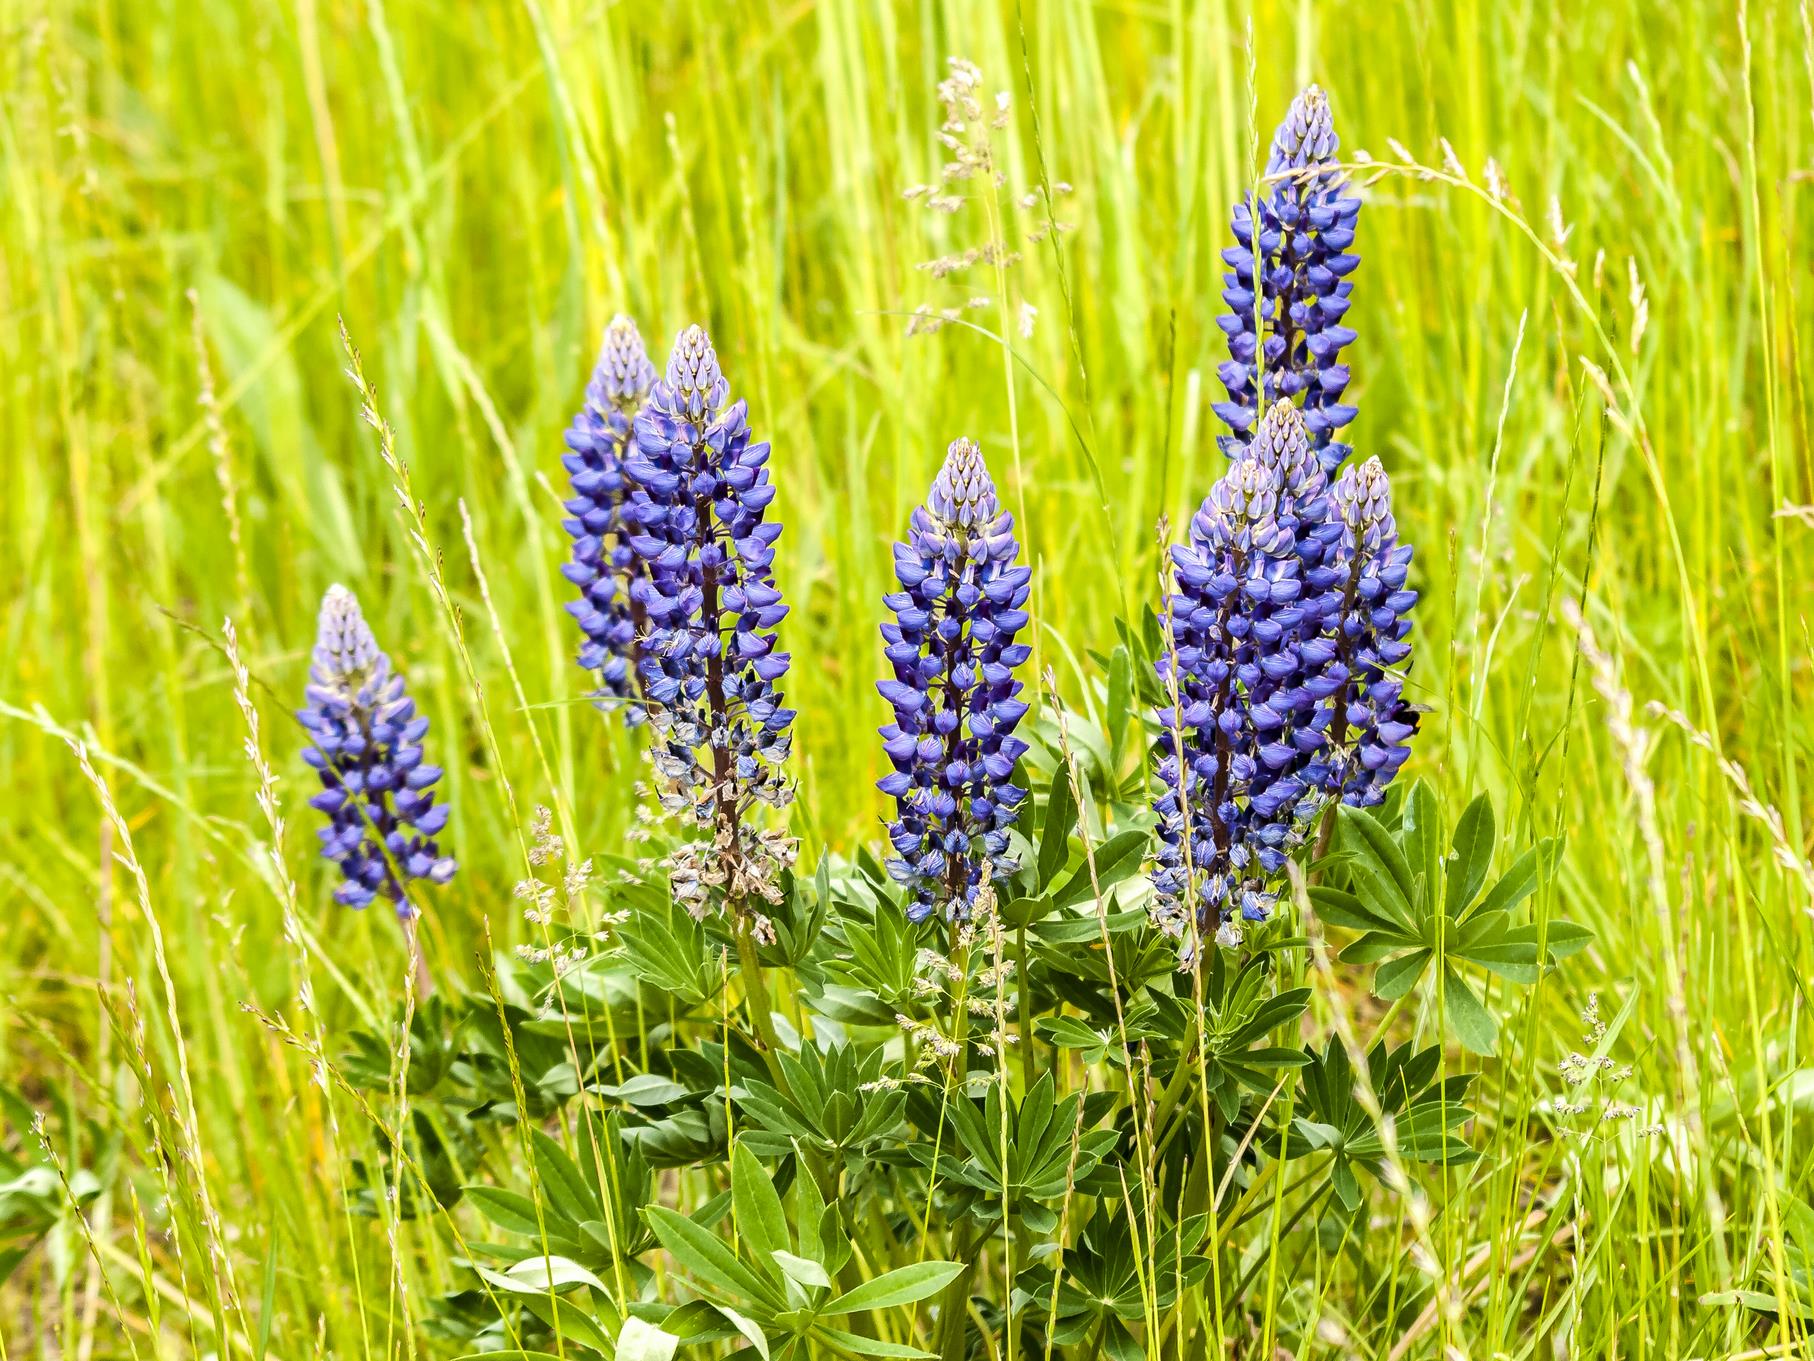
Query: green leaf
x=639 y=1341
x=903 y=1285
x=1347 y=1185
x=1019 y=912
x=1072 y=1032
x=757 y=1338
x=696 y=1321
x=574 y=1323
x=540 y=1275
x=1419 y=835
x=1373 y=947
x=757 y=1207
x=1055 y=839
x=1470 y=855
x=1075 y=930
x=506 y=1209
x=869 y=1346
x=1318 y=1134
x=704 y=1254
x=1758 y=1301
x=645 y=1089
x=1564 y=938
x=1115 y=859
x=1473 y=1025
x=562 y=1183
x=1393 y=979
x=1519 y=882
x=1514 y=963
x=1336 y=908
x=801 y=1270
x=1481 y=930
x=1120 y=701
x=555 y=1272
x=809 y=1209
x=1376 y=861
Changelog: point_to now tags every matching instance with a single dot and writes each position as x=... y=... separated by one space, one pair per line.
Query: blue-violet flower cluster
x=955 y=699
x=1288 y=290
x=1372 y=722
x=603 y=565
x=1242 y=753
x=708 y=665
x=376 y=792
x=1285 y=634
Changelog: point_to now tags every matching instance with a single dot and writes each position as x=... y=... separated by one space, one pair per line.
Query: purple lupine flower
x=1208 y=740
x=1296 y=666
x=376 y=792
x=602 y=564
x=1372 y=723
x=708 y=663
x=1283 y=325
x=954 y=695
x=1244 y=765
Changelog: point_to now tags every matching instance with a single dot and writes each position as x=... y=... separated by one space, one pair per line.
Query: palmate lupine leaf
x=665 y=948
x=1039 y=1168
x=871 y=977
x=1420 y=910
x=1425 y=1112
x=587 y=1208
x=777 y=1287
x=834 y=1103
x=1240 y=1014
x=1107 y=1278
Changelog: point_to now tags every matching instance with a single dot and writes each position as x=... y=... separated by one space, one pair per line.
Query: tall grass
x=1583 y=315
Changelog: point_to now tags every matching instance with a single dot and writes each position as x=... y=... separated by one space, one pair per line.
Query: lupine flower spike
x=1372 y=722
x=1290 y=605
x=1287 y=291
x=954 y=695
x=603 y=565
x=1228 y=806
x=708 y=664
x=376 y=791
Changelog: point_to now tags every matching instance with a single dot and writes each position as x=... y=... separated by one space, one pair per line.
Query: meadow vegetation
x=300 y=295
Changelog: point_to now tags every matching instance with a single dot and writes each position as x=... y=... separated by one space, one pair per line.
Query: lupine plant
x=1242 y=762
x=1050 y=1141
x=603 y=565
x=1287 y=289
x=698 y=522
x=1290 y=601
x=1371 y=723
x=377 y=792
x=952 y=650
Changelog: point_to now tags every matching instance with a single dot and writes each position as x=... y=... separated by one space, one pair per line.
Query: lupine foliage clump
x=875 y=1156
